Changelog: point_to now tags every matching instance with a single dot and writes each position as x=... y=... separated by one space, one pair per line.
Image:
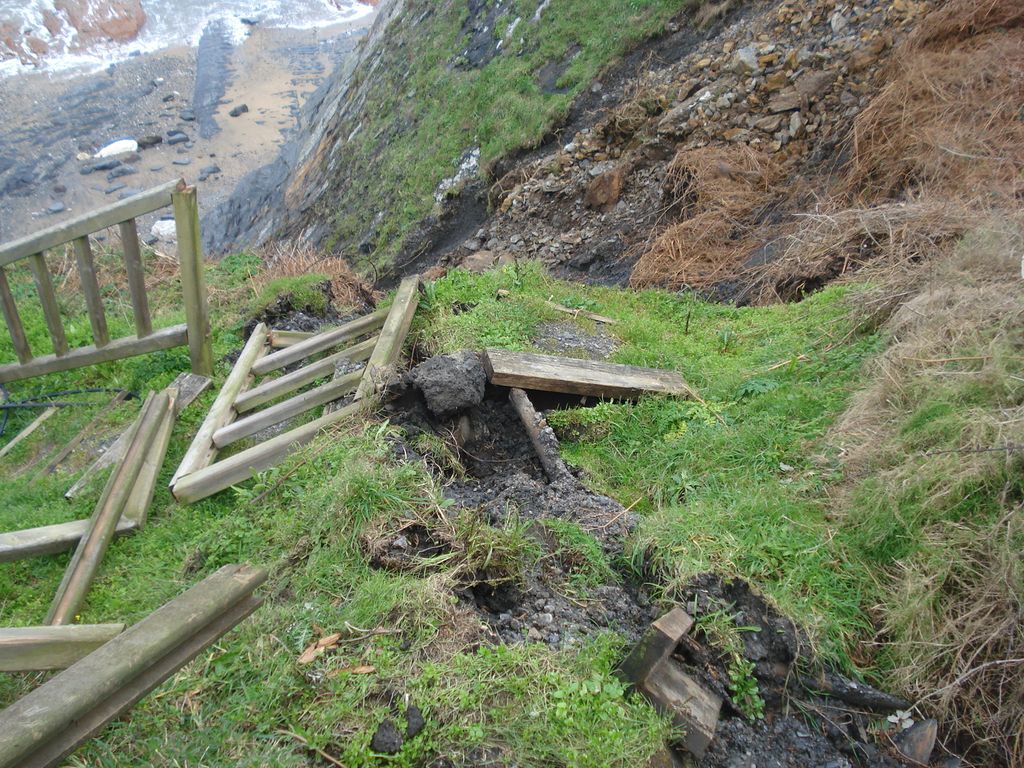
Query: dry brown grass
x=293 y=259
x=719 y=193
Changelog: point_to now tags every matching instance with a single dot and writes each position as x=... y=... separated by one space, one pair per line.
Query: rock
x=120 y=147
x=145 y=142
x=736 y=134
x=104 y=165
x=838 y=22
x=181 y=161
x=481 y=261
x=414 y=721
x=115 y=188
x=451 y=383
x=387 y=740
x=240 y=110
x=769 y=124
x=176 y=137
x=187 y=115
x=796 y=125
x=785 y=101
x=811 y=85
x=917 y=742
x=208 y=171
x=776 y=81
x=150 y=240
x=744 y=61
x=121 y=170
x=165 y=231
x=604 y=191
x=55 y=207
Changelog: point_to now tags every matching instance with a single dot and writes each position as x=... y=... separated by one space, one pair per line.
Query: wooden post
x=137 y=507
x=91 y=291
x=31 y=649
x=545 y=444
x=136 y=277
x=50 y=539
x=392 y=336
x=321 y=342
x=202 y=451
x=51 y=310
x=44 y=726
x=89 y=554
x=193 y=281
x=14 y=326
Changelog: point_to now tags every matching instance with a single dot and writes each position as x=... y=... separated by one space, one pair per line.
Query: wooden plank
x=694 y=709
x=545 y=444
x=581 y=313
x=74 y=442
x=50 y=539
x=275 y=388
x=79 y=226
x=275 y=414
x=193 y=281
x=321 y=342
x=392 y=337
x=47 y=297
x=658 y=643
x=13 y=320
x=31 y=649
x=243 y=465
x=136 y=509
x=36 y=423
x=91 y=291
x=579 y=377
x=189 y=387
x=280 y=339
x=136 y=277
x=47 y=724
x=89 y=554
x=202 y=451
x=166 y=338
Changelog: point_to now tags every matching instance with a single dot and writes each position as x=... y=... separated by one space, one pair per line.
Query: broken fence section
x=237 y=412
x=46 y=725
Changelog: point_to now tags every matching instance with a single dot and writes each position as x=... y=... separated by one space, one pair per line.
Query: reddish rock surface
x=72 y=25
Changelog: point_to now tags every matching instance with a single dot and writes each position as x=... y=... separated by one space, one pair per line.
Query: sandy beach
x=212 y=114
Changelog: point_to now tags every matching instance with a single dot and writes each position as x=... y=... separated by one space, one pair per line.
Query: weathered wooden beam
x=49 y=723
x=167 y=338
x=89 y=554
x=542 y=437
x=282 y=385
x=136 y=277
x=579 y=377
x=136 y=508
x=193 y=281
x=36 y=423
x=91 y=290
x=48 y=298
x=50 y=539
x=84 y=432
x=189 y=386
x=135 y=206
x=392 y=337
x=275 y=414
x=243 y=465
x=280 y=339
x=202 y=451
x=31 y=649
x=321 y=342
x=13 y=320
x=658 y=643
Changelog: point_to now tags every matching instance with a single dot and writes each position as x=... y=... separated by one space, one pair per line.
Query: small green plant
x=752 y=387
x=580 y=555
x=743 y=686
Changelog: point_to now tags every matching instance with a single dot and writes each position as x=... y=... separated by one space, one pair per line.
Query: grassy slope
x=428 y=111
x=231 y=706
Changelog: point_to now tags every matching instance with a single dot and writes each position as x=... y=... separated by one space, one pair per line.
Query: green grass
x=429 y=111
x=302 y=292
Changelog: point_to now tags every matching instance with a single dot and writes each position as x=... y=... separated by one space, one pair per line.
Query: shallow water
x=172 y=23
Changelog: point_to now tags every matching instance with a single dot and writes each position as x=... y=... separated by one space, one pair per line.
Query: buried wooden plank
x=50 y=539
x=31 y=649
x=321 y=342
x=202 y=451
x=392 y=337
x=21 y=436
x=274 y=388
x=166 y=338
x=579 y=377
x=189 y=387
x=545 y=444
x=275 y=414
x=44 y=726
x=137 y=507
x=93 y=545
x=658 y=643
x=84 y=432
x=693 y=708
x=281 y=339
x=243 y=465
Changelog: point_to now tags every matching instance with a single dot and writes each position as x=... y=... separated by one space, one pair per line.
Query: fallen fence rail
x=31 y=649
x=46 y=725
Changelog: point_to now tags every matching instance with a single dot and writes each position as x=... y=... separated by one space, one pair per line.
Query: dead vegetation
x=286 y=259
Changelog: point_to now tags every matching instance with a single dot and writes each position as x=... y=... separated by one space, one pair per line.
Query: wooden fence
x=195 y=332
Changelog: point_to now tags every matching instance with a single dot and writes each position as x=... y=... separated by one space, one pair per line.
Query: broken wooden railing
x=237 y=414
x=195 y=332
x=48 y=724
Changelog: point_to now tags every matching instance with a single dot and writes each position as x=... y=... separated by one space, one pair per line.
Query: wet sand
x=50 y=128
